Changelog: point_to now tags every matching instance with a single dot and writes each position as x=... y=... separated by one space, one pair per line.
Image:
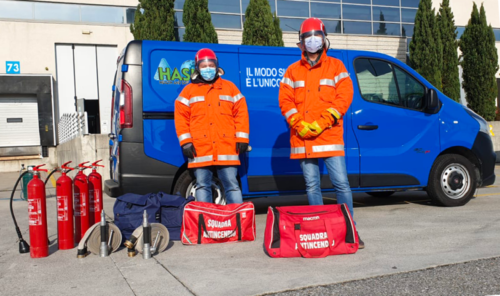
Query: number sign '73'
x=12 y=67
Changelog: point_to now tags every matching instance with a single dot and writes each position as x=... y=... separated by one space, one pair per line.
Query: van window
x=384 y=83
x=411 y=91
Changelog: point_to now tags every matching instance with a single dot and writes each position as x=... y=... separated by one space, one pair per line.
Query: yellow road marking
x=492 y=186
x=488 y=194
x=415 y=201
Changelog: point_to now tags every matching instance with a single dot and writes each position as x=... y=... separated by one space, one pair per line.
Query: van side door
x=398 y=140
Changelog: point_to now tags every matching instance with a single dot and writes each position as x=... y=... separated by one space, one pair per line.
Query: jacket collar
x=305 y=61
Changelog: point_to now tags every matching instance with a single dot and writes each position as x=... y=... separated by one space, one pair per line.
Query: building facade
x=59 y=56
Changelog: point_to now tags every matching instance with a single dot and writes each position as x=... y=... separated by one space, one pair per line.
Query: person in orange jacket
x=211 y=121
x=315 y=93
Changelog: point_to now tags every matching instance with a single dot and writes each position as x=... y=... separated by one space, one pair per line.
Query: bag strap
x=304 y=252
x=202 y=227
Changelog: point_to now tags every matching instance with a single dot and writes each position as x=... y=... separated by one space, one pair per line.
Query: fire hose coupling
x=142 y=236
x=102 y=239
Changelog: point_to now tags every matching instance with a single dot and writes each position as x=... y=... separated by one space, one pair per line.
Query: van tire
x=185 y=183
x=452 y=181
x=381 y=194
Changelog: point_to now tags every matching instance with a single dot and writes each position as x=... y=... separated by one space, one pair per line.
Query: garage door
x=19 y=122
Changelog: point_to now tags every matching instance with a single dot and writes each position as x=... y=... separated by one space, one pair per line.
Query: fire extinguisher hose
x=157 y=229
x=91 y=241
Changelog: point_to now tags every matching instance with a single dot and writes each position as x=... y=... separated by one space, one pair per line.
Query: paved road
x=402 y=233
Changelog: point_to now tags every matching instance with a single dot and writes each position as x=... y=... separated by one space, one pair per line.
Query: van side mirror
x=432 y=101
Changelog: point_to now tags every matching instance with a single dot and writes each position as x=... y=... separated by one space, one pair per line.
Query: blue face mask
x=208 y=73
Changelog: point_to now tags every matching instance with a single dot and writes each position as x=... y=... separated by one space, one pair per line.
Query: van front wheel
x=452 y=181
x=186 y=186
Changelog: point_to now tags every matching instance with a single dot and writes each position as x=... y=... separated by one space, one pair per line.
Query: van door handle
x=368 y=127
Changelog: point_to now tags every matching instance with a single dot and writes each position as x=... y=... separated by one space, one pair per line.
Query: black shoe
x=361 y=243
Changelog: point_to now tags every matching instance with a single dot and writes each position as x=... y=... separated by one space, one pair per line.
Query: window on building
x=410 y=3
x=357 y=1
x=408 y=15
x=407 y=30
x=293 y=8
x=386 y=29
x=102 y=14
x=387 y=14
x=224 y=6
x=325 y=10
x=57 y=12
x=290 y=24
x=356 y=12
x=334 y=27
x=357 y=28
x=226 y=21
x=386 y=2
x=16 y=10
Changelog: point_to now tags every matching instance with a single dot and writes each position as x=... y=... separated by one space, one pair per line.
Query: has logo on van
x=168 y=75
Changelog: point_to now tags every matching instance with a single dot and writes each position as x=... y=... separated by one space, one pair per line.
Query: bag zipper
x=313 y=213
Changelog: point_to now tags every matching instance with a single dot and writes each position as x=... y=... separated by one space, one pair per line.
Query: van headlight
x=483 y=125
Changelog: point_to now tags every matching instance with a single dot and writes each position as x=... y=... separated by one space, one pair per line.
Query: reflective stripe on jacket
x=214 y=117
x=309 y=91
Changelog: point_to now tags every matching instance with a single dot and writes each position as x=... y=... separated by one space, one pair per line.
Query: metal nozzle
x=155 y=245
x=110 y=239
x=146 y=237
x=145 y=222
x=103 y=218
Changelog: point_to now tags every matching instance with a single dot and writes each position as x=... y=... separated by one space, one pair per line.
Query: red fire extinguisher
x=64 y=193
x=37 y=211
x=81 y=196
x=95 y=193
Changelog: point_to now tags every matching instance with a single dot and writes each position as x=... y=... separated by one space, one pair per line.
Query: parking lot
x=402 y=233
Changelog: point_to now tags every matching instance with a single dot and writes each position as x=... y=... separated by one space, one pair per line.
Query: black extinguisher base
x=23 y=247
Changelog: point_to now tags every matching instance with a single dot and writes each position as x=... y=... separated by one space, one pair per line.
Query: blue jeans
x=338 y=176
x=227 y=175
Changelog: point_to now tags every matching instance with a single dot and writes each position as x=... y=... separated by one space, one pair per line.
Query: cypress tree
x=425 y=47
x=277 y=28
x=198 y=22
x=479 y=64
x=450 y=75
x=154 y=20
x=259 y=28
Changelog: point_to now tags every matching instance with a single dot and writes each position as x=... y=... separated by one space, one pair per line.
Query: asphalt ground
x=410 y=245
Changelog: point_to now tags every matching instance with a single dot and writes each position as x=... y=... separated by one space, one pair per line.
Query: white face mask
x=313 y=44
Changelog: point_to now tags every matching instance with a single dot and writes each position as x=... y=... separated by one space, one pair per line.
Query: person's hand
x=241 y=148
x=188 y=150
x=305 y=130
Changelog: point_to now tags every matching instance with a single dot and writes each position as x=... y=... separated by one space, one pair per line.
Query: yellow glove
x=333 y=114
x=305 y=130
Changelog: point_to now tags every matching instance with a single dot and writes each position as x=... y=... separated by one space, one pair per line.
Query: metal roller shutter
x=19 y=122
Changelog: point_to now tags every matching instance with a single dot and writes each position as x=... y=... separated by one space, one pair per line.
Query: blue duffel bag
x=172 y=209
x=161 y=208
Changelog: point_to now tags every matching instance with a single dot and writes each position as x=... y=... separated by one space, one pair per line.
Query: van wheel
x=186 y=186
x=452 y=181
x=380 y=193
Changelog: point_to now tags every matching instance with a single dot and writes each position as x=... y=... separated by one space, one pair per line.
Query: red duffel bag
x=208 y=223
x=310 y=231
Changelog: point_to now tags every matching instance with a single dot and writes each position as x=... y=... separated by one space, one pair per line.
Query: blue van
x=400 y=132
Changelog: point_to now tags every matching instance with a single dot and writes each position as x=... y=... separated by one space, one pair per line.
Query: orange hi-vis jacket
x=309 y=91
x=214 y=117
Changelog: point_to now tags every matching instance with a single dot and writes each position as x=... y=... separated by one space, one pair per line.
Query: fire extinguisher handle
x=83 y=166
x=38 y=169
x=66 y=167
x=94 y=164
